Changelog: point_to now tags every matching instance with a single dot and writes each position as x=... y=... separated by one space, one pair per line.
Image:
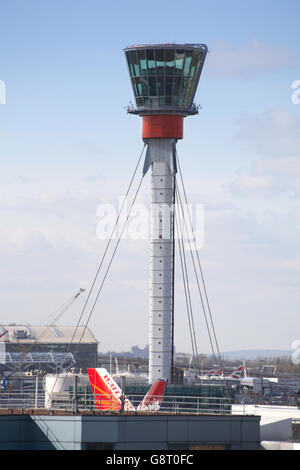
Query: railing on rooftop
x=84 y=402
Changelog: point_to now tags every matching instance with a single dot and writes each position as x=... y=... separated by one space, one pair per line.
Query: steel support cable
x=111 y=260
x=187 y=299
x=200 y=268
x=195 y=271
x=201 y=297
x=197 y=254
x=173 y=275
x=197 y=279
x=104 y=254
x=185 y=287
x=108 y=245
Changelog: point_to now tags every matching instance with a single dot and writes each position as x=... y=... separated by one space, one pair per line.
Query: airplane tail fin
x=154 y=397
x=215 y=373
x=117 y=365
x=245 y=369
x=107 y=394
x=237 y=373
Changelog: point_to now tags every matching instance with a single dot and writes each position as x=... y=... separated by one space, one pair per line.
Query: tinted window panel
x=152 y=86
x=187 y=64
x=160 y=61
x=169 y=58
x=142 y=62
x=134 y=86
x=130 y=65
x=160 y=85
x=169 y=84
x=176 y=85
x=150 y=62
x=179 y=58
x=135 y=65
x=144 y=82
x=150 y=54
x=138 y=86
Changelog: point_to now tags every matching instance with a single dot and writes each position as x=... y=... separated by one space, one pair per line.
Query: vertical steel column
x=160 y=156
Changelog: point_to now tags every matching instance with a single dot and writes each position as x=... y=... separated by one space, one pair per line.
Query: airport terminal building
x=48 y=348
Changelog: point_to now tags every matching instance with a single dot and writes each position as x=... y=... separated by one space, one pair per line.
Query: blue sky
x=67 y=144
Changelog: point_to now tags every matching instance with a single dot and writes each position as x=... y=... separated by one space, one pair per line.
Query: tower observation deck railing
x=194 y=109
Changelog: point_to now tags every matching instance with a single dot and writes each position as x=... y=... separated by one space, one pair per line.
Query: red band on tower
x=163 y=127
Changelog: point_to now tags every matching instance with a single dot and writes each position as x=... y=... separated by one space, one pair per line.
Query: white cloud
x=274 y=138
x=274 y=177
x=273 y=133
x=247 y=60
x=248 y=184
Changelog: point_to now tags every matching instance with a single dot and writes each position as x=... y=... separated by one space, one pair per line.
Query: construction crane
x=63 y=309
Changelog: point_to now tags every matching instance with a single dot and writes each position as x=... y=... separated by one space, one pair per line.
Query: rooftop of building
x=46 y=334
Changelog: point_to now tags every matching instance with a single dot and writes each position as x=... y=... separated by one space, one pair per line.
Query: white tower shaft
x=160 y=156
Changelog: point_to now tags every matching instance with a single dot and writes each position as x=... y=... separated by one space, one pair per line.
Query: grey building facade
x=127 y=432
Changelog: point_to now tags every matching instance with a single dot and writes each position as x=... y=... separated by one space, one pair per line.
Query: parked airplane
x=108 y=395
x=238 y=374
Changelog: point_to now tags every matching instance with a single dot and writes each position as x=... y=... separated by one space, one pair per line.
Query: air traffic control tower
x=164 y=78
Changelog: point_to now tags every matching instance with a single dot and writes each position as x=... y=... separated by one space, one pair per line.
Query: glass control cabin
x=165 y=77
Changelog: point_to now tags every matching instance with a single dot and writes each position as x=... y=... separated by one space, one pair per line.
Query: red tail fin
x=107 y=393
x=154 y=397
